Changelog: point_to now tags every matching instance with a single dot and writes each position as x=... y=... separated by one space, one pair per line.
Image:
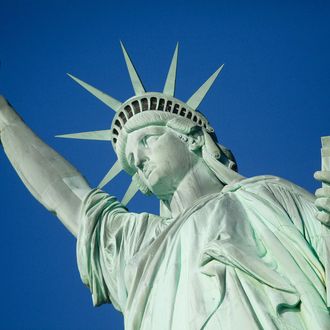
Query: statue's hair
x=176 y=123
x=186 y=127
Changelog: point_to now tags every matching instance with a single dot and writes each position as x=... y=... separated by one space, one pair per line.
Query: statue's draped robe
x=252 y=256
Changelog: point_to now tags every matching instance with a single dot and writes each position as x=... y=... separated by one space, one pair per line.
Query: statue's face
x=160 y=158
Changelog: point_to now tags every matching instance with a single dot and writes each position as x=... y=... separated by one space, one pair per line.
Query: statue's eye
x=148 y=140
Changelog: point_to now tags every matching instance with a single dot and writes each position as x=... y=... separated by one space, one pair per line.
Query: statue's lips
x=147 y=169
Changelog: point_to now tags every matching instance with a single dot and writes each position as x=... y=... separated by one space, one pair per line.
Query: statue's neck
x=199 y=181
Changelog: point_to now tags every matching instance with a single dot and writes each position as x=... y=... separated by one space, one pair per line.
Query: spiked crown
x=140 y=102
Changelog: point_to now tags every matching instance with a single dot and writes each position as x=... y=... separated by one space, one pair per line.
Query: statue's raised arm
x=52 y=180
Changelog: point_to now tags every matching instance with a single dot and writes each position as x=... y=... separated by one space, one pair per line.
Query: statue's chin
x=159 y=185
x=154 y=182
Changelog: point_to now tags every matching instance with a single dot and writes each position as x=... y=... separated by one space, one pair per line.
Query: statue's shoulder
x=261 y=183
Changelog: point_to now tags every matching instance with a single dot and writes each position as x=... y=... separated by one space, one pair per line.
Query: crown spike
x=135 y=79
x=199 y=95
x=107 y=99
x=104 y=135
x=113 y=172
x=169 y=87
x=130 y=192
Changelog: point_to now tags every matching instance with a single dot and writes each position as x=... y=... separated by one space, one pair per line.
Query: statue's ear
x=196 y=140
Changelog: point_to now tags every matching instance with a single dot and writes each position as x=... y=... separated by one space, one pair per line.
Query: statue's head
x=159 y=148
x=159 y=138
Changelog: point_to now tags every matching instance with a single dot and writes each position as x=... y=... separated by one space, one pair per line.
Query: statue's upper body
x=249 y=257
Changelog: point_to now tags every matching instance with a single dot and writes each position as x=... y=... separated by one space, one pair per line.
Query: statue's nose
x=140 y=158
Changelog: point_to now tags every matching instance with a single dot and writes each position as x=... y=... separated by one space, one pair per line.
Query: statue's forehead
x=140 y=132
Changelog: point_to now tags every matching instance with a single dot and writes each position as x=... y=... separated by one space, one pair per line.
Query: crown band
x=155 y=102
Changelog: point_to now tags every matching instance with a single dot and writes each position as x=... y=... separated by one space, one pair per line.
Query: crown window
x=123 y=117
x=144 y=103
x=153 y=103
x=118 y=123
x=183 y=112
x=161 y=104
x=176 y=108
x=168 y=106
x=129 y=111
x=136 y=106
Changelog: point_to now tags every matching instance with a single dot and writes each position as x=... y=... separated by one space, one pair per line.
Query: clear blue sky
x=270 y=105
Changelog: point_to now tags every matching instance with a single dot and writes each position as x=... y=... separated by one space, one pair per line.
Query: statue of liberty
x=225 y=251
